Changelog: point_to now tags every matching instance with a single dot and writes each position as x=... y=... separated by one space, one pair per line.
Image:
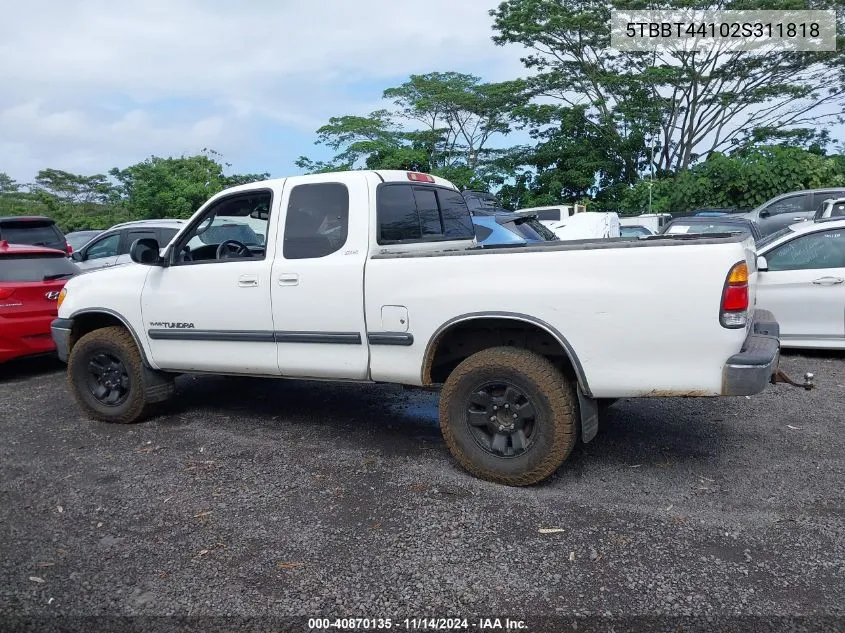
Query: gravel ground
x=275 y=498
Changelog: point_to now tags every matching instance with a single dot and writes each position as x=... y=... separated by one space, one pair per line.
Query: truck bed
x=652 y=241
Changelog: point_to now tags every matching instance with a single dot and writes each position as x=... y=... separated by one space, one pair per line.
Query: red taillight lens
x=69 y=249
x=733 y=312
x=418 y=177
x=5 y=293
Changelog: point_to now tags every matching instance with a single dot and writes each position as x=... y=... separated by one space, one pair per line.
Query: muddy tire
x=509 y=416
x=106 y=376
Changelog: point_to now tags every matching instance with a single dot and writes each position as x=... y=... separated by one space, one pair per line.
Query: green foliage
x=155 y=188
x=743 y=180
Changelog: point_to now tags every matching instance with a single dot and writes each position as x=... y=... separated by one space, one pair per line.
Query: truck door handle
x=248 y=281
x=798 y=219
x=828 y=281
x=288 y=279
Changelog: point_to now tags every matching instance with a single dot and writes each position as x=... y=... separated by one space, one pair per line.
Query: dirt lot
x=270 y=498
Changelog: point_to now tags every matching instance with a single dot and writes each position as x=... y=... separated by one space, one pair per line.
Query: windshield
x=224 y=228
x=481 y=203
x=78 y=240
x=36 y=268
x=31 y=233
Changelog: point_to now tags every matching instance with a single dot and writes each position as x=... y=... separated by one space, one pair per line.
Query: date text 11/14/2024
x=416 y=624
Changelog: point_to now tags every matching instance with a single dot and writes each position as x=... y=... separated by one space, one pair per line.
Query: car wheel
x=508 y=415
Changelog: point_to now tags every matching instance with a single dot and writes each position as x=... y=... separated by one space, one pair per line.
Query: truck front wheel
x=508 y=415
x=106 y=376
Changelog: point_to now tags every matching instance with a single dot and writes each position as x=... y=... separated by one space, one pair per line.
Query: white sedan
x=802 y=281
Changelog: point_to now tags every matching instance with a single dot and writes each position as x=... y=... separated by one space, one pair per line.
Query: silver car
x=786 y=209
x=801 y=280
x=111 y=247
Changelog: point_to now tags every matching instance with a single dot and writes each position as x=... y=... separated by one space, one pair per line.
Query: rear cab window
x=413 y=213
x=35 y=267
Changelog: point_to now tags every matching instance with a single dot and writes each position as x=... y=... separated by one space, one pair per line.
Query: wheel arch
x=90 y=319
x=488 y=320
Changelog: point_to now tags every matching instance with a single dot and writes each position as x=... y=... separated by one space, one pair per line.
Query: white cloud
x=90 y=85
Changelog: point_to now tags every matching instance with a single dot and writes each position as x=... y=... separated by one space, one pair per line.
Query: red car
x=31 y=278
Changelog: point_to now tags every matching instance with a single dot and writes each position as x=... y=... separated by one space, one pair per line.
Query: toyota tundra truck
x=377 y=277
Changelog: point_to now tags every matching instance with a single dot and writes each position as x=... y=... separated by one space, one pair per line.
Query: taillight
x=5 y=293
x=734 y=310
x=61 y=298
x=69 y=249
x=419 y=177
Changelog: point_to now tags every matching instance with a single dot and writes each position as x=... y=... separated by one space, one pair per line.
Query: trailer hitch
x=780 y=376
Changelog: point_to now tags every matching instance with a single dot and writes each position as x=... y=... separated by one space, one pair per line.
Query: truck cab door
x=318 y=277
x=209 y=308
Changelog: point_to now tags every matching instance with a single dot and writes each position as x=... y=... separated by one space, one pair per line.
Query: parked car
x=31 y=278
x=696 y=225
x=802 y=282
x=652 y=221
x=713 y=213
x=78 y=239
x=553 y=213
x=376 y=276
x=832 y=208
x=587 y=225
x=35 y=230
x=111 y=247
x=796 y=206
x=634 y=230
x=495 y=229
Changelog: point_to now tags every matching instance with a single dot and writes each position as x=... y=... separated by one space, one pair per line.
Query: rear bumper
x=748 y=372
x=60 y=331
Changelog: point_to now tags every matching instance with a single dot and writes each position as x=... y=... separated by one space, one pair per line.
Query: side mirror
x=76 y=256
x=145 y=251
x=762 y=264
x=765 y=213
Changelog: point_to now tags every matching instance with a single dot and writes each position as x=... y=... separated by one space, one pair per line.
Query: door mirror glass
x=762 y=264
x=145 y=251
x=765 y=213
x=76 y=256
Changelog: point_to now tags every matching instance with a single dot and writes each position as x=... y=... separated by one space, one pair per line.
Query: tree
x=170 y=187
x=67 y=187
x=8 y=184
x=686 y=105
x=460 y=113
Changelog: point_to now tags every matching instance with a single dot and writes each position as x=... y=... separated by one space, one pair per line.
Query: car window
x=317 y=221
x=229 y=219
x=482 y=232
x=104 y=247
x=32 y=233
x=457 y=221
x=36 y=268
x=820 y=198
x=548 y=215
x=409 y=213
x=165 y=235
x=824 y=249
x=837 y=210
x=793 y=204
x=137 y=234
x=530 y=229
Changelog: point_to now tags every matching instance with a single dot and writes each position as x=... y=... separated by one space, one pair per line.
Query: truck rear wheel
x=509 y=416
x=106 y=376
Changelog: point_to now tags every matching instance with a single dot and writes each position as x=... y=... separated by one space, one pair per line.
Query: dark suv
x=35 y=230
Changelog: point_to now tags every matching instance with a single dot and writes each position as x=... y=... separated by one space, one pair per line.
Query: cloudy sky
x=90 y=85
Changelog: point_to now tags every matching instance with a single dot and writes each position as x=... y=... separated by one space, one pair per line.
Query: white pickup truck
x=376 y=276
